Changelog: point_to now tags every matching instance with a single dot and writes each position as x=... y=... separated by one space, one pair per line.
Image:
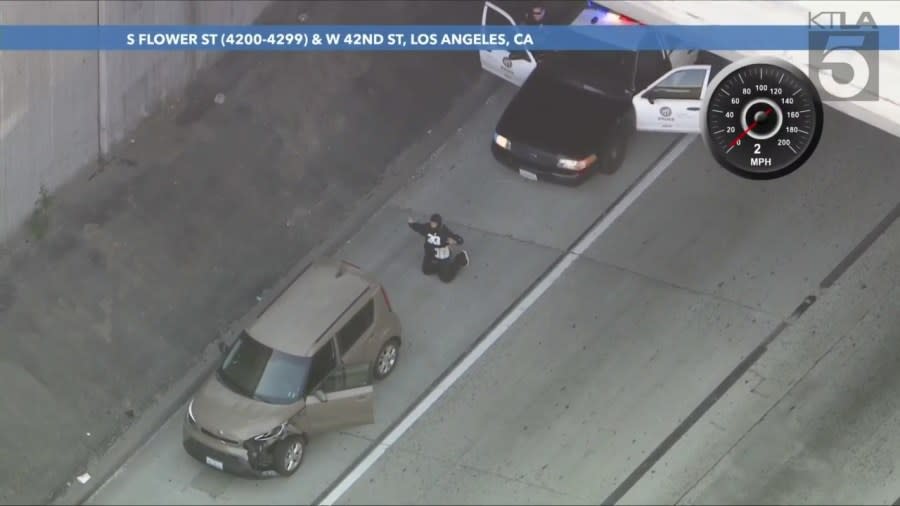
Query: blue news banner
x=420 y=38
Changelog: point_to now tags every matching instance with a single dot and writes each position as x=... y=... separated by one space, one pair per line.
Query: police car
x=576 y=111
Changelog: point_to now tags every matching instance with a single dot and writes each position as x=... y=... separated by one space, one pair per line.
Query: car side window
x=494 y=18
x=650 y=65
x=356 y=327
x=685 y=84
x=323 y=363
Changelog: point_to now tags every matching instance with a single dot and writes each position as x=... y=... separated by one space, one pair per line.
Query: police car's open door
x=514 y=66
x=672 y=102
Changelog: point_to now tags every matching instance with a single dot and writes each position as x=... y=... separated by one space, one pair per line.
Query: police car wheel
x=612 y=159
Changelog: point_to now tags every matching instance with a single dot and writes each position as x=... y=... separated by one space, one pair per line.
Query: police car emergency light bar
x=608 y=37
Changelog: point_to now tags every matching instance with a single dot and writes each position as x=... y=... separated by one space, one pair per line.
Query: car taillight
x=386 y=299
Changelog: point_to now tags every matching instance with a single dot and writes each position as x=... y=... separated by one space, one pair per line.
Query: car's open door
x=514 y=66
x=345 y=399
x=672 y=102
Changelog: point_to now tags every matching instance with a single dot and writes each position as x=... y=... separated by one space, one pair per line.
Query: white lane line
x=503 y=325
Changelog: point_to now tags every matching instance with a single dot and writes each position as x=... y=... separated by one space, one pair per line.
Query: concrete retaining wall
x=58 y=110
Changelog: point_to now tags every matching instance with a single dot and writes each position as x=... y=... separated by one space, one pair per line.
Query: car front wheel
x=288 y=454
x=615 y=153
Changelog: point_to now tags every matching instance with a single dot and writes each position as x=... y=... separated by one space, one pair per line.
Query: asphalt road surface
x=147 y=261
x=711 y=340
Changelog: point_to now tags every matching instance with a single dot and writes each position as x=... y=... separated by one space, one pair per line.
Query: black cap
x=436 y=218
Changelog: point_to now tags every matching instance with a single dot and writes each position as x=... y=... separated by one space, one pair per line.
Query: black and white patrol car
x=576 y=111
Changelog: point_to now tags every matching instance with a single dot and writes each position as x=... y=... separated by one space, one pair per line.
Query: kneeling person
x=438 y=259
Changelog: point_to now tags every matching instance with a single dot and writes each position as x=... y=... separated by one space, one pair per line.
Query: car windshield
x=607 y=72
x=254 y=370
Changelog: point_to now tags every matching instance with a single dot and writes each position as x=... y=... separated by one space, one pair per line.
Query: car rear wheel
x=288 y=454
x=386 y=359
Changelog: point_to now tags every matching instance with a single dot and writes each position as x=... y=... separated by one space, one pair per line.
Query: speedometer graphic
x=762 y=118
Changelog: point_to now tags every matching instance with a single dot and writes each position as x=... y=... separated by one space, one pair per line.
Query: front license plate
x=215 y=463
x=528 y=175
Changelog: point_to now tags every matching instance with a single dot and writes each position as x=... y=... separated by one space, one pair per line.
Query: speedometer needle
x=751 y=127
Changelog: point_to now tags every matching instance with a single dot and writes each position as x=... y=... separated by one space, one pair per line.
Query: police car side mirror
x=650 y=96
x=320 y=396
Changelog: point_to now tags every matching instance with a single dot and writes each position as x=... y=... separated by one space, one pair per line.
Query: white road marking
x=503 y=325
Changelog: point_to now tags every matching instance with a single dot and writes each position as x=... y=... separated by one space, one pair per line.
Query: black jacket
x=436 y=240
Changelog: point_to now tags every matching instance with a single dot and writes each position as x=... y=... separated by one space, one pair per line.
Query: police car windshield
x=607 y=72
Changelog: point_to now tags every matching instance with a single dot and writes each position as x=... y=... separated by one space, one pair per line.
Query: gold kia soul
x=305 y=366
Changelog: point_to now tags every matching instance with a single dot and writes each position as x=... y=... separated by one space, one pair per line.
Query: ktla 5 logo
x=843 y=59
